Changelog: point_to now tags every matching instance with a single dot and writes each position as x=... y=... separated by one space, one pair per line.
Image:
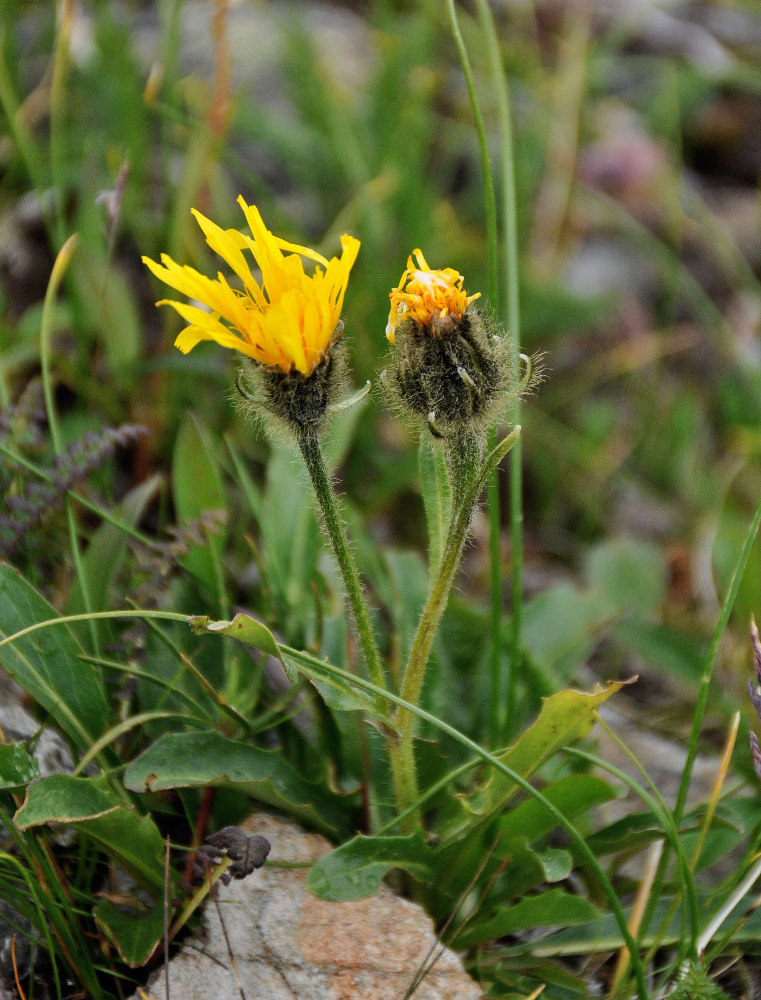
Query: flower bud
x=448 y=368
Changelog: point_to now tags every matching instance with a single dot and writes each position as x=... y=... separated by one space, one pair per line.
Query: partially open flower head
x=434 y=299
x=447 y=367
x=287 y=321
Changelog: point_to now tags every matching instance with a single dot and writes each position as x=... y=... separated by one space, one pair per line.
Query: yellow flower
x=286 y=321
x=435 y=299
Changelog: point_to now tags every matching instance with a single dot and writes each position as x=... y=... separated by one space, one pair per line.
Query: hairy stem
x=310 y=447
x=464 y=460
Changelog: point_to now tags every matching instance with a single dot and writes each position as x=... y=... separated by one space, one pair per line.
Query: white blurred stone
x=290 y=945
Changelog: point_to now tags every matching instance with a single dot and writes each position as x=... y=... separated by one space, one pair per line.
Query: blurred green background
x=638 y=157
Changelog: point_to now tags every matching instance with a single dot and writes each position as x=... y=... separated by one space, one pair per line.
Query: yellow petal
x=286 y=319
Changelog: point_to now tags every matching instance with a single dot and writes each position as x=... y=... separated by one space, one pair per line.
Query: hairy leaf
x=355 y=869
x=554 y=908
x=135 y=936
x=188 y=760
x=338 y=693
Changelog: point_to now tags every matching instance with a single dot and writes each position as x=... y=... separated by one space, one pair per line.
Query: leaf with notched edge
x=190 y=760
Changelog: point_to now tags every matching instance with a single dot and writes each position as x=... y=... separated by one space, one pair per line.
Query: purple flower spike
x=754 y=689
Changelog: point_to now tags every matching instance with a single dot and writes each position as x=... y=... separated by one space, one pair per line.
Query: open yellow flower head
x=286 y=321
x=435 y=299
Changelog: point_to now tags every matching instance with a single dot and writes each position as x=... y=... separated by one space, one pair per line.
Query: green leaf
x=437 y=497
x=603 y=934
x=197 y=490
x=511 y=862
x=244 y=628
x=335 y=691
x=523 y=868
x=626 y=834
x=134 y=936
x=132 y=840
x=46 y=663
x=17 y=766
x=628 y=575
x=554 y=908
x=63 y=798
x=564 y=718
x=189 y=760
x=355 y=869
x=572 y=795
x=560 y=628
x=556 y=864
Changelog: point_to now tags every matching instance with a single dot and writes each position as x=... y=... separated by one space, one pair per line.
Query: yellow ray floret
x=285 y=320
x=431 y=298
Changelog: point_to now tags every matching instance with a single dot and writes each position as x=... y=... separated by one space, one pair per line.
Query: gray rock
x=290 y=945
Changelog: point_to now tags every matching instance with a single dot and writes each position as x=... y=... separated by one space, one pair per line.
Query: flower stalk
x=449 y=372
x=287 y=323
x=311 y=450
x=467 y=483
x=452 y=374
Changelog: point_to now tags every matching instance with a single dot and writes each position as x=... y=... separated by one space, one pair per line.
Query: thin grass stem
x=502 y=684
x=58 y=104
x=718 y=784
x=658 y=806
x=503 y=694
x=710 y=663
x=171 y=616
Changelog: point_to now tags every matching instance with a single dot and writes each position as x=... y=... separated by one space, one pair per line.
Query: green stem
x=503 y=694
x=503 y=684
x=490 y=202
x=58 y=107
x=412 y=680
x=309 y=443
x=170 y=616
x=401 y=745
x=468 y=471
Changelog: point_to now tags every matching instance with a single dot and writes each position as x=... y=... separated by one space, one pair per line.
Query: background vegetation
x=130 y=479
